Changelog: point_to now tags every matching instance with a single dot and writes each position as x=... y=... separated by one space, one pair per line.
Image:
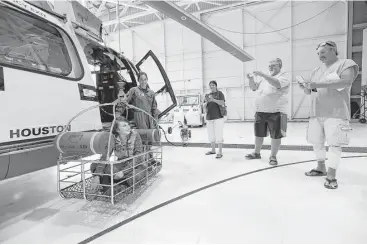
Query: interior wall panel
x=234 y=100
x=183 y=55
x=269 y=21
x=189 y=59
x=330 y=22
x=149 y=37
x=222 y=21
x=126 y=43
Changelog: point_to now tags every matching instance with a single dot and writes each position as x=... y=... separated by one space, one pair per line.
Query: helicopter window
x=103 y=59
x=124 y=74
x=98 y=56
x=33 y=44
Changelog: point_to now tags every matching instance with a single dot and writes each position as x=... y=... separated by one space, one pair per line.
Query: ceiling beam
x=232 y=6
x=188 y=6
x=174 y=12
x=117 y=16
x=123 y=11
x=156 y=14
x=125 y=3
x=137 y=15
x=266 y=24
x=134 y=6
x=100 y=7
x=134 y=22
x=209 y=2
x=211 y=10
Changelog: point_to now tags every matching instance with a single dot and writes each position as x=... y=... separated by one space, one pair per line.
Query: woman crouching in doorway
x=214 y=104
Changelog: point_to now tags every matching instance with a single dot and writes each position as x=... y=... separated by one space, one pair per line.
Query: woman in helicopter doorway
x=143 y=98
x=214 y=104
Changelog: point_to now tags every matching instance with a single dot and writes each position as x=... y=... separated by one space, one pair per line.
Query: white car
x=190 y=108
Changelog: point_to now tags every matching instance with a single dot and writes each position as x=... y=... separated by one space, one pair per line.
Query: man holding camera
x=271 y=106
x=329 y=86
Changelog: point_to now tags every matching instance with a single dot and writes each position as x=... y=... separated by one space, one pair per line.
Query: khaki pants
x=335 y=132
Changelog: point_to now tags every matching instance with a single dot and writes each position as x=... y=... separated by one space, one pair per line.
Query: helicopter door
x=106 y=91
x=158 y=82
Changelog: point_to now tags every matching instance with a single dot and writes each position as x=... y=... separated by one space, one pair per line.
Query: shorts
x=275 y=123
x=215 y=130
x=335 y=131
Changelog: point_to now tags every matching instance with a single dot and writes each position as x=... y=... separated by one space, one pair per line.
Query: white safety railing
x=75 y=179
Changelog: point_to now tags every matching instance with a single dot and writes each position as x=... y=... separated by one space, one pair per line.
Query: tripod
x=363 y=108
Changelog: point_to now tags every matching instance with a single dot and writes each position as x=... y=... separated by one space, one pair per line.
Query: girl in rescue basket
x=128 y=143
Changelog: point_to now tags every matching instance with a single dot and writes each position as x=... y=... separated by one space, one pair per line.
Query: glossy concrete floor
x=242 y=133
x=275 y=205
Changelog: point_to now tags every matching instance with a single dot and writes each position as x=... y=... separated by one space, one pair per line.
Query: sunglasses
x=329 y=43
x=271 y=66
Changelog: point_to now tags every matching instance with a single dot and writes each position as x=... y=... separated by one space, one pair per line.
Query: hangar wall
x=191 y=62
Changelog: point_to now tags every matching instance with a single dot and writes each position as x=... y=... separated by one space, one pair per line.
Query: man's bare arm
x=272 y=80
x=252 y=83
x=346 y=80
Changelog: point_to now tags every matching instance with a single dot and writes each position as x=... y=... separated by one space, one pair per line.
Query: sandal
x=210 y=153
x=331 y=184
x=219 y=156
x=315 y=173
x=273 y=161
x=253 y=156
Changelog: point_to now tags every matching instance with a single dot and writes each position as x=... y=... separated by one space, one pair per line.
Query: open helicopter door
x=158 y=82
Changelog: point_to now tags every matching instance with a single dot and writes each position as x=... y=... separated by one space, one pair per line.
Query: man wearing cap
x=329 y=86
x=271 y=108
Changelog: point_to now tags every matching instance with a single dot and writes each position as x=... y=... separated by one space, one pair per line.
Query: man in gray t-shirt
x=329 y=86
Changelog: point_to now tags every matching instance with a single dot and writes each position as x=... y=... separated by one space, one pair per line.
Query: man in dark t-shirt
x=215 y=119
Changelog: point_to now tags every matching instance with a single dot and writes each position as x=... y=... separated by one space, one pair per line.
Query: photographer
x=271 y=105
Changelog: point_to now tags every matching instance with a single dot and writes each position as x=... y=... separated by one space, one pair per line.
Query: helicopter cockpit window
x=33 y=44
x=104 y=60
x=125 y=76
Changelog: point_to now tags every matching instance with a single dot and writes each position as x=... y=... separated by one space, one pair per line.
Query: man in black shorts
x=271 y=106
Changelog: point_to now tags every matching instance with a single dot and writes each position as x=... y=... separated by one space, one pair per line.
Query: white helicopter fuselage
x=39 y=92
x=46 y=79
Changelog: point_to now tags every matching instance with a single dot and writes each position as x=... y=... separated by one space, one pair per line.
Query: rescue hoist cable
x=114 y=119
x=119 y=23
x=156 y=121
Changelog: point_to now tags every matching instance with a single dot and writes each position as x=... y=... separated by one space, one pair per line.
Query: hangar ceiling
x=132 y=13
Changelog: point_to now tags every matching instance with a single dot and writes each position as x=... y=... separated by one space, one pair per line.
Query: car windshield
x=188 y=100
